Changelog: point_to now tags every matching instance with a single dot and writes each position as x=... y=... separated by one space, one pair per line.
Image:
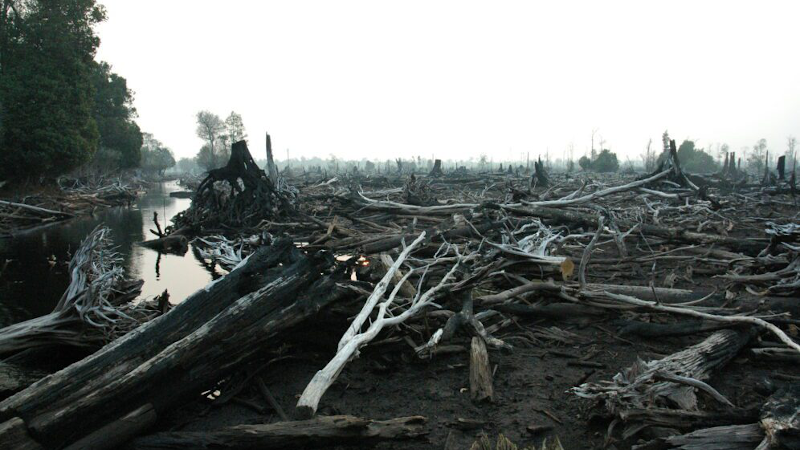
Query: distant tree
x=649 y=157
x=722 y=151
x=585 y=163
x=114 y=113
x=210 y=128
x=47 y=50
x=756 y=160
x=156 y=158
x=187 y=165
x=234 y=128
x=791 y=152
x=606 y=162
x=695 y=160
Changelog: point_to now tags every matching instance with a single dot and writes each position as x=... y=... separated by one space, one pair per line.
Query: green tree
x=606 y=162
x=211 y=129
x=156 y=158
x=585 y=163
x=695 y=160
x=114 y=114
x=47 y=49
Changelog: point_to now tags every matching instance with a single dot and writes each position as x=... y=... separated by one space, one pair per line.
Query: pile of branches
x=74 y=197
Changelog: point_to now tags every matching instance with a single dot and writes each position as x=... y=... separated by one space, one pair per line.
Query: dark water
x=30 y=286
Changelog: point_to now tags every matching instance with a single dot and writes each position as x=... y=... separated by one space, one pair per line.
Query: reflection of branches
x=211 y=267
x=158 y=266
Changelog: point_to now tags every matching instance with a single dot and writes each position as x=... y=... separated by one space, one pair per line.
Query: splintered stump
x=180 y=354
x=313 y=433
x=436 y=171
x=480 y=374
x=239 y=194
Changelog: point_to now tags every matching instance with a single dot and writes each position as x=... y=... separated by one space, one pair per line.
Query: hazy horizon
x=458 y=79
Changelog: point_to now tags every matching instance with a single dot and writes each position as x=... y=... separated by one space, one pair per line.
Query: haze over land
x=457 y=79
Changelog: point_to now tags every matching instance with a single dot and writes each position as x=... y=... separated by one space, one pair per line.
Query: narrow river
x=35 y=273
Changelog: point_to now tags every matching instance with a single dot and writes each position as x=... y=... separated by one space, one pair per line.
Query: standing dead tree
x=94 y=310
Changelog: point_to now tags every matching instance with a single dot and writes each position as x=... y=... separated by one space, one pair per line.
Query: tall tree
x=210 y=128
x=47 y=53
x=234 y=128
x=114 y=114
x=156 y=157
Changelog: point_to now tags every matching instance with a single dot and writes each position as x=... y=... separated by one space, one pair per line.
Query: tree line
x=59 y=108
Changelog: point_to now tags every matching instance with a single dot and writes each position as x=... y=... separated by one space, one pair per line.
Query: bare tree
x=210 y=128
x=791 y=145
x=649 y=157
x=756 y=160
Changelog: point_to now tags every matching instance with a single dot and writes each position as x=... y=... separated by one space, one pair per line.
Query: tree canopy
x=57 y=105
x=156 y=158
x=695 y=159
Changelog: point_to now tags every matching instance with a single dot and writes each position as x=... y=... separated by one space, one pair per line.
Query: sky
x=457 y=79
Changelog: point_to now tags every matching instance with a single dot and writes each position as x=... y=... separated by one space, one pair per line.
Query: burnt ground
x=531 y=385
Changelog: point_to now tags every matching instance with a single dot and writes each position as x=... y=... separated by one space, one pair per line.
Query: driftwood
x=314 y=433
x=95 y=308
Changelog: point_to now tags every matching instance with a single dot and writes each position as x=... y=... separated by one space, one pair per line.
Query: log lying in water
x=317 y=432
x=180 y=354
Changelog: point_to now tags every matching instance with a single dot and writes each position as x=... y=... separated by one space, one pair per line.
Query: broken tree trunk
x=480 y=374
x=210 y=333
x=436 y=171
x=539 y=177
x=272 y=171
x=314 y=433
x=645 y=385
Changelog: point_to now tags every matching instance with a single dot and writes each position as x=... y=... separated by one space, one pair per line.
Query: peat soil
x=531 y=383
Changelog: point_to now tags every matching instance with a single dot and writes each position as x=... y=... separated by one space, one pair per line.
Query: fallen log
x=252 y=303
x=641 y=385
x=314 y=433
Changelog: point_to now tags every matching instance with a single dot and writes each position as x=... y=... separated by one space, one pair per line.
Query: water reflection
x=31 y=286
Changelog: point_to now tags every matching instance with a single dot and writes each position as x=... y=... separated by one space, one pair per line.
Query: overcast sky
x=455 y=79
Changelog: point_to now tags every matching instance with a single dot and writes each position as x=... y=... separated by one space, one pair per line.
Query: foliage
x=188 y=165
x=585 y=163
x=114 y=114
x=218 y=137
x=48 y=49
x=156 y=158
x=606 y=162
x=695 y=159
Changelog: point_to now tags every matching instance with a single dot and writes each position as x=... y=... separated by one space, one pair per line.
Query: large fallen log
x=182 y=353
x=318 y=432
x=669 y=382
